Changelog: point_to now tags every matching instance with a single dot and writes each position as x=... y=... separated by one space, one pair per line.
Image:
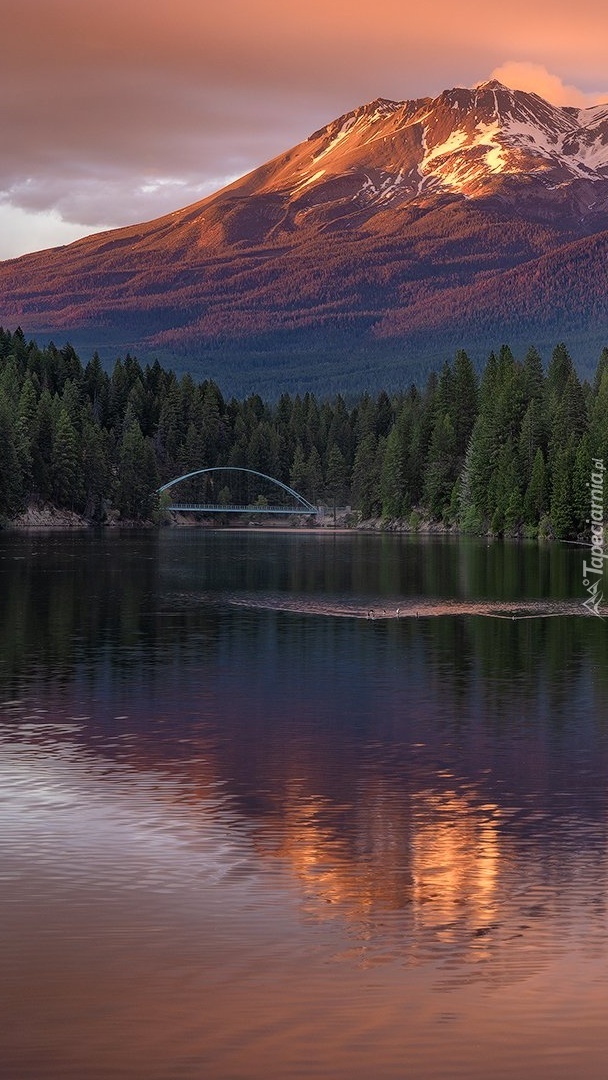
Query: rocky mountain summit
x=393 y=235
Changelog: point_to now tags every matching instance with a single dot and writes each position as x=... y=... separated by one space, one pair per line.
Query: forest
x=509 y=451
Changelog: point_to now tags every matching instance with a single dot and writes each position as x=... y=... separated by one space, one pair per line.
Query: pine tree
x=581 y=475
x=24 y=432
x=211 y=423
x=340 y=431
x=535 y=498
x=483 y=448
x=137 y=481
x=298 y=476
x=314 y=471
x=598 y=421
x=441 y=469
x=463 y=405
x=42 y=447
x=96 y=482
x=531 y=439
x=569 y=415
x=96 y=386
x=170 y=433
x=11 y=486
x=263 y=449
x=66 y=471
x=392 y=476
x=336 y=476
x=366 y=477
x=602 y=367
x=559 y=370
x=562 y=512
x=384 y=415
x=504 y=493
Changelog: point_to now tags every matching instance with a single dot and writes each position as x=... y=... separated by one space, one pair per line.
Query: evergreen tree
x=170 y=433
x=263 y=449
x=96 y=476
x=535 y=498
x=581 y=475
x=484 y=446
x=24 y=432
x=559 y=371
x=463 y=405
x=499 y=454
x=392 y=475
x=602 y=367
x=95 y=386
x=314 y=472
x=384 y=415
x=365 y=485
x=598 y=421
x=569 y=414
x=11 y=487
x=340 y=432
x=42 y=447
x=562 y=511
x=10 y=385
x=505 y=493
x=337 y=476
x=66 y=471
x=137 y=480
x=298 y=475
x=441 y=467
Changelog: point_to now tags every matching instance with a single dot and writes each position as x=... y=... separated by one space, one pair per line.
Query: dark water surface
x=300 y=805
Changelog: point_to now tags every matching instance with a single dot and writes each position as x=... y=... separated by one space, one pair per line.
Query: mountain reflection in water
x=247 y=835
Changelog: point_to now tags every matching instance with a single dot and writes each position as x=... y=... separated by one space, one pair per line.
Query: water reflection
x=372 y=829
x=292 y=841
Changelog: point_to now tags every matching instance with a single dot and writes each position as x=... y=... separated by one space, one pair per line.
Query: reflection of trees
x=336 y=741
x=154 y=599
x=69 y=602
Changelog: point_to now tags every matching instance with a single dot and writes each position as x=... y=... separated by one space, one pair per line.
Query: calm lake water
x=301 y=805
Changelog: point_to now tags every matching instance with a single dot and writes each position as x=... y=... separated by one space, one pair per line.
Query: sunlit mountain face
x=392 y=236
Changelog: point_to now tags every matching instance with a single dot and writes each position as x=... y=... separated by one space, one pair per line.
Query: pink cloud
x=525 y=75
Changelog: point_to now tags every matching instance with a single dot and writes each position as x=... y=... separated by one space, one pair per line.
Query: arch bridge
x=215 y=504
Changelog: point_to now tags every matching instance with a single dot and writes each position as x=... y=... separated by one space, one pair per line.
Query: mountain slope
x=398 y=232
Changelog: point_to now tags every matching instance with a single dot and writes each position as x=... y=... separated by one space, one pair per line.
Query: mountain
x=371 y=251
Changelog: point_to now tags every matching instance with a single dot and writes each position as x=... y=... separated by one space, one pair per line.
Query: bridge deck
x=216 y=508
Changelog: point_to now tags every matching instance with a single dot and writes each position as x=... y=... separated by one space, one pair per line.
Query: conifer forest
x=508 y=452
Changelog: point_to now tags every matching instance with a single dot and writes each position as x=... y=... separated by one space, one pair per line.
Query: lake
x=290 y=805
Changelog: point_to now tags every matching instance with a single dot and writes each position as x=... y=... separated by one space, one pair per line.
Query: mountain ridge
x=397 y=226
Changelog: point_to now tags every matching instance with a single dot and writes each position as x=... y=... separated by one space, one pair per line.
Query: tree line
x=510 y=451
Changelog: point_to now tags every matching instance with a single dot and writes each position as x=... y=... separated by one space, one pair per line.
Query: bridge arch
x=303 y=505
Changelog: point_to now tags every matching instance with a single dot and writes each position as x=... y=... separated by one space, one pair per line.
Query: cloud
x=22 y=231
x=102 y=99
x=525 y=75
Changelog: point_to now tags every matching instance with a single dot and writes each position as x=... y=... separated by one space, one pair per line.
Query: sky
x=118 y=111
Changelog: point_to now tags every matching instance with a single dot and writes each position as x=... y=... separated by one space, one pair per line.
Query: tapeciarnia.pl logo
x=593 y=571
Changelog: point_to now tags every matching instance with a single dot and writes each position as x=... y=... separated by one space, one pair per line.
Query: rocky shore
x=46 y=516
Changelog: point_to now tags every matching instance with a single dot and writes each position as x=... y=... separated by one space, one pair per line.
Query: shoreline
x=50 y=518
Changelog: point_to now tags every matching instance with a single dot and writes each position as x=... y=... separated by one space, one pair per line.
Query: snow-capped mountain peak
x=465 y=141
x=480 y=214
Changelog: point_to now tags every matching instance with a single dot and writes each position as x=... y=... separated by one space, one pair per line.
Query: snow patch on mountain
x=309 y=180
x=461 y=142
x=453 y=143
x=336 y=139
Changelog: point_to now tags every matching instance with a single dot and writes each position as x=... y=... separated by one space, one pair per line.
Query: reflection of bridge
x=298 y=505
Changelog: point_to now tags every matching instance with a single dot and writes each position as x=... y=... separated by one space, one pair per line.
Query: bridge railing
x=234 y=508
